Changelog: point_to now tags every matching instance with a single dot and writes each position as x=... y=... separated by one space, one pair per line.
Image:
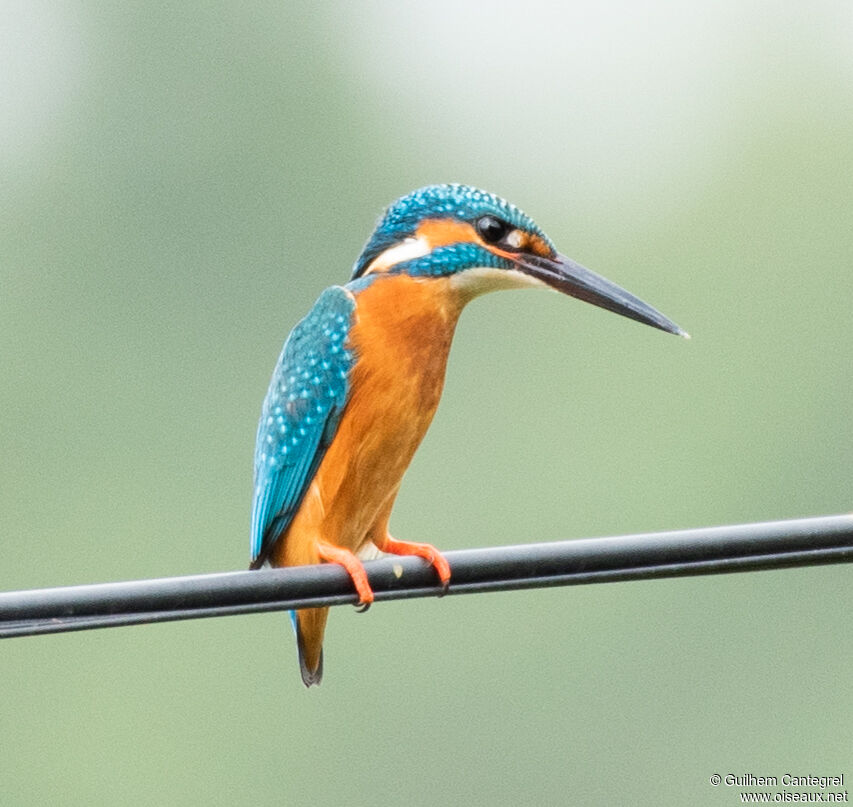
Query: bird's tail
x=310 y=624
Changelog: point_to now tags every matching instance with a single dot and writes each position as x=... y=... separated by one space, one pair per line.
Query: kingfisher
x=359 y=379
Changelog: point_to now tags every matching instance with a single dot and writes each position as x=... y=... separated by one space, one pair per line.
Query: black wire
x=713 y=550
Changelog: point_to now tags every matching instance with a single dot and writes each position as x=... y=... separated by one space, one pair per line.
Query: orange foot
x=334 y=554
x=426 y=551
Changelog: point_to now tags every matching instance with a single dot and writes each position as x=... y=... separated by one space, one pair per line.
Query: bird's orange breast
x=401 y=336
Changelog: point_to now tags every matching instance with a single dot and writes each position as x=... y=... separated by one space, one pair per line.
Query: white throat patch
x=481 y=279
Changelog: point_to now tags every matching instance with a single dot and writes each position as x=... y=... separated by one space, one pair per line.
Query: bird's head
x=484 y=243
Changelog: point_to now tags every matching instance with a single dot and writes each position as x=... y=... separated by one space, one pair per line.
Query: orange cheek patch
x=535 y=244
x=441 y=232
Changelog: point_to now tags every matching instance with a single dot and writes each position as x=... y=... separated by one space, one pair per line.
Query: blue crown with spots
x=461 y=202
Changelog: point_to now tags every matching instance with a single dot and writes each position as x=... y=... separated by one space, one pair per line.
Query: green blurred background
x=180 y=182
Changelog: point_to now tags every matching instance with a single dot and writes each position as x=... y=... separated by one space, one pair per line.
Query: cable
x=712 y=550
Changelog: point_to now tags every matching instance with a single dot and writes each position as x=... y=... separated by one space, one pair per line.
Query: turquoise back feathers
x=300 y=415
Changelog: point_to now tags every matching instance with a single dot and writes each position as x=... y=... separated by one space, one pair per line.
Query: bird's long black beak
x=563 y=274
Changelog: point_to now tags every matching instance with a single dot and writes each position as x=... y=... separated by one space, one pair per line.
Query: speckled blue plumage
x=300 y=415
x=461 y=202
x=451 y=258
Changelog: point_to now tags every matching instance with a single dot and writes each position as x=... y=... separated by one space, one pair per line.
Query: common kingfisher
x=359 y=379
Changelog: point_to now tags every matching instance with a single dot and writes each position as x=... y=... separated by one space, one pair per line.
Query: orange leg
x=426 y=551
x=334 y=554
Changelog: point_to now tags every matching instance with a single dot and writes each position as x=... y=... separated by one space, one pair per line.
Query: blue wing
x=300 y=416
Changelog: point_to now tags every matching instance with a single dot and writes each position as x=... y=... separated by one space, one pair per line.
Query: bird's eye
x=491 y=229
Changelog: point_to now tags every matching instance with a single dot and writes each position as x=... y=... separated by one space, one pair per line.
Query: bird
x=360 y=377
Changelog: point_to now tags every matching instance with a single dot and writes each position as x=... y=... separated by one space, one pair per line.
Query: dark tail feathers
x=309 y=677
